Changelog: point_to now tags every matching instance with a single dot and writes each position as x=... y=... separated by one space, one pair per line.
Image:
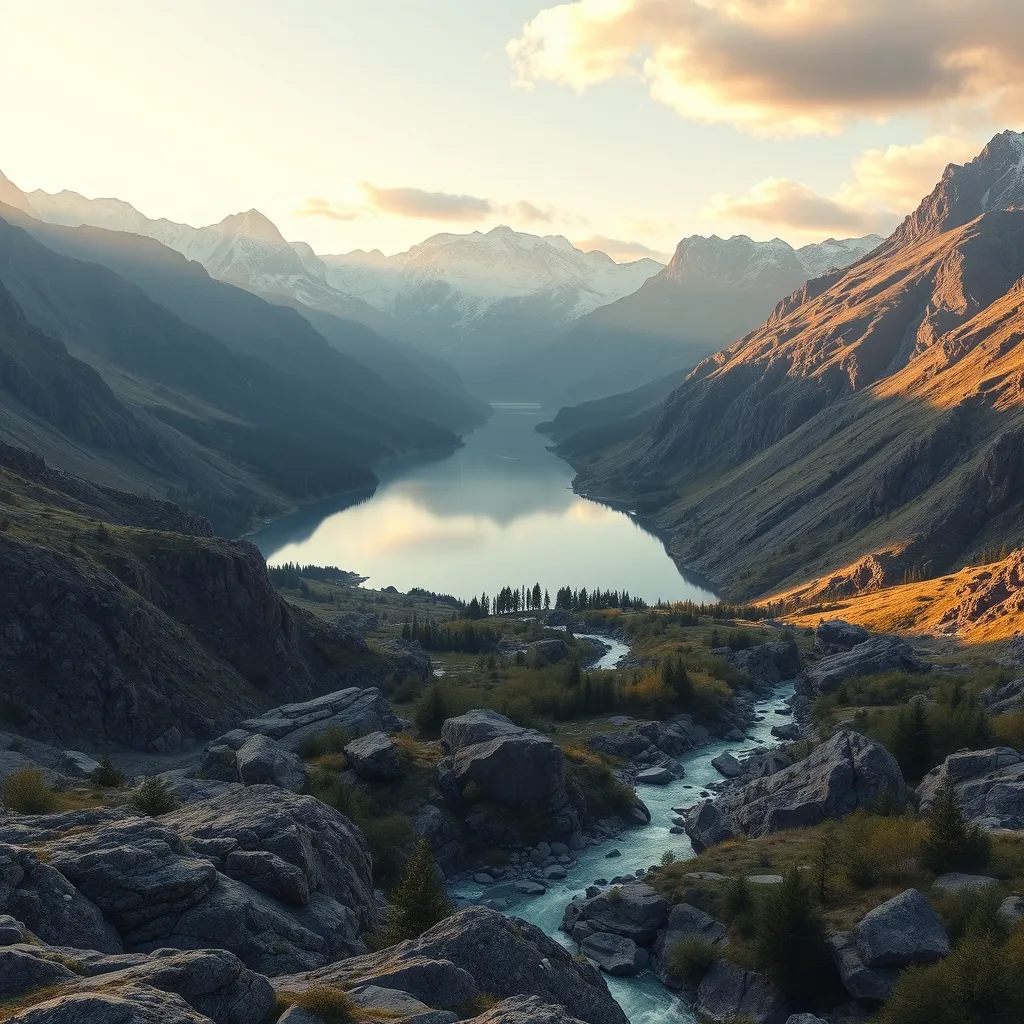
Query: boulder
x=901 y=932
x=267 y=873
x=880 y=653
x=374 y=757
x=707 y=826
x=615 y=954
x=511 y=766
x=846 y=772
x=355 y=711
x=660 y=776
x=728 y=992
x=10 y=931
x=131 y=1004
x=1011 y=912
x=634 y=911
x=835 y=635
x=874 y=984
x=1004 y=699
x=727 y=765
x=262 y=761
x=75 y=764
x=652 y=741
x=501 y=956
x=394 y=1004
x=989 y=786
x=525 y=1010
x=766 y=665
x=22 y=972
x=957 y=881
x=788 y=733
x=684 y=922
x=553 y=650
x=49 y=905
x=409 y=659
x=805 y=1018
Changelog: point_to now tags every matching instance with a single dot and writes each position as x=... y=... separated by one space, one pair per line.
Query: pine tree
x=952 y=843
x=911 y=743
x=418 y=901
x=791 y=938
x=431 y=711
x=547 y=600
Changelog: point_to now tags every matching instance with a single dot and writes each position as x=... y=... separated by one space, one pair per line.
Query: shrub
x=668 y=858
x=418 y=902
x=951 y=843
x=389 y=837
x=330 y=1005
x=26 y=792
x=431 y=711
x=153 y=797
x=690 y=959
x=736 y=900
x=790 y=942
x=333 y=740
x=615 y=895
x=107 y=774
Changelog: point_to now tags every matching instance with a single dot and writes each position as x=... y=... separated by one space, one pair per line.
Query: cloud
x=620 y=250
x=788 y=67
x=324 y=208
x=421 y=205
x=885 y=186
x=527 y=213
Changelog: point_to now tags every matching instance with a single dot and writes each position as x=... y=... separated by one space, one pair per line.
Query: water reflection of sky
x=498 y=511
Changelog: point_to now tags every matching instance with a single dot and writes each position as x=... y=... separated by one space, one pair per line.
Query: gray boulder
x=835 y=635
x=511 y=766
x=501 y=956
x=901 y=932
x=805 y=1018
x=684 y=922
x=615 y=954
x=22 y=972
x=131 y=1004
x=267 y=873
x=957 y=881
x=651 y=742
x=846 y=772
x=989 y=786
x=399 y=1005
x=874 y=984
x=788 y=733
x=707 y=826
x=660 y=776
x=10 y=931
x=374 y=758
x=766 y=665
x=633 y=911
x=525 y=1010
x=261 y=761
x=727 y=992
x=1011 y=912
x=880 y=653
x=75 y=764
x=1004 y=699
x=727 y=765
x=49 y=905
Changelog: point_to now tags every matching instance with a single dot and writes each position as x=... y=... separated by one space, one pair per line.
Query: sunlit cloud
x=620 y=250
x=526 y=213
x=419 y=204
x=788 y=67
x=885 y=186
x=325 y=208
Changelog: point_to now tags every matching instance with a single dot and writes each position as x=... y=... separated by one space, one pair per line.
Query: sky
x=622 y=124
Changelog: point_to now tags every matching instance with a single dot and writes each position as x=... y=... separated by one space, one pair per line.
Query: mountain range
x=519 y=316
x=872 y=428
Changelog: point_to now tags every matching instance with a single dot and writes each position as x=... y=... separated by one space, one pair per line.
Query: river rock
x=989 y=786
x=261 y=761
x=615 y=954
x=707 y=826
x=684 y=922
x=880 y=653
x=660 y=776
x=652 y=742
x=901 y=932
x=374 y=758
x=509 y=765
x=844 y=773
x=727 y=765
x=835 y=635
x=728 y=992
x=874 y=984
x=788 y=733
x=501 y=956
x=634 y=911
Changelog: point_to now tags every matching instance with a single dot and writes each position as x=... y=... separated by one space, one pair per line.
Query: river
x=644 y=999
x=498 y=511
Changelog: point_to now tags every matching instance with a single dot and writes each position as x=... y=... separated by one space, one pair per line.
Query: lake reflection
x=498 y=511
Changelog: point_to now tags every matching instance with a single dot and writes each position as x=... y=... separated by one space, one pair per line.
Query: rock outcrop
x=765 y=665
x=502 y=956
x=728 y=992
x=684 y=922
x=989 y=786
x=835 y=635
x=374 y=758
x=902 y=932
x=510 y=766
x=846 y=772
x=707 y=826
x=880 y=653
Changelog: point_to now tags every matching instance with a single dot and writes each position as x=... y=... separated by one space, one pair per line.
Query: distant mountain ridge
x=872 y=426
